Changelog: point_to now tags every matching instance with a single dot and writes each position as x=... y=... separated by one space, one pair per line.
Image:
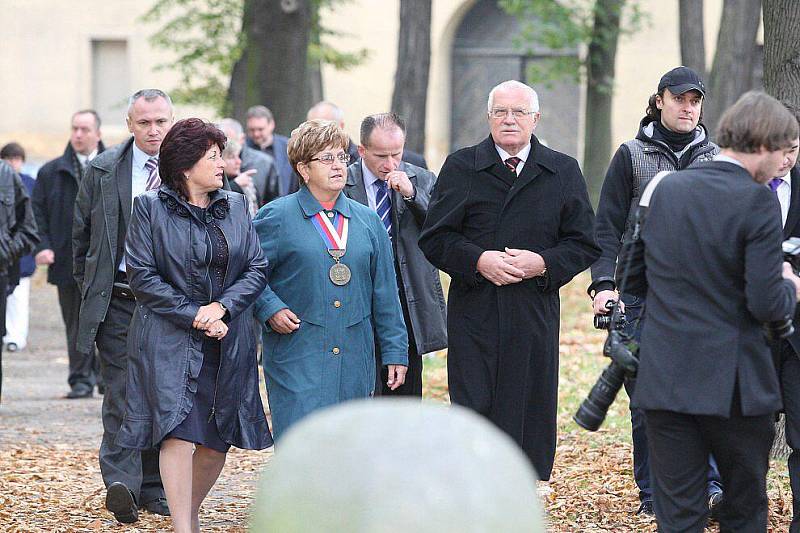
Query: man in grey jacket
x=102 y=213
x=399 y=192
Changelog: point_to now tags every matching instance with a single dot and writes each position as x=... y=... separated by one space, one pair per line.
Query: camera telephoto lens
x=593 y=410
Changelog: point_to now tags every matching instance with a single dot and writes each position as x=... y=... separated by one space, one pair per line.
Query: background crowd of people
x=179 y=249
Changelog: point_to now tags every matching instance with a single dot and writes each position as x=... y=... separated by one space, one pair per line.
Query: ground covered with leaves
x=50 y=479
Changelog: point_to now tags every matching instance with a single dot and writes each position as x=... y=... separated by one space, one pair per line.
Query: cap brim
x=685 y=87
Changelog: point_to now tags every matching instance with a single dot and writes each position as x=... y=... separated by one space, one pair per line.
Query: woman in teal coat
x=331 y=286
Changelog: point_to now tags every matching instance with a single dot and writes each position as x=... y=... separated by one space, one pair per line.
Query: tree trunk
x=410 y=96
x=600 y=81
x=782 y=80
x=273 y=69
x=732 y=73
x=691 y=33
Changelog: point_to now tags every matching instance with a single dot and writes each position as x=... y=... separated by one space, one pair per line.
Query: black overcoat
x=503 y=341
x=167 y=254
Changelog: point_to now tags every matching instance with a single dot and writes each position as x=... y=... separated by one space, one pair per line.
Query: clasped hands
x=209 y=319
x=510 y=266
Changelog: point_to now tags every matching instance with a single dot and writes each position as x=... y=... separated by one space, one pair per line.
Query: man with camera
x=710 y=246
x=786 y=187
x=671 y=136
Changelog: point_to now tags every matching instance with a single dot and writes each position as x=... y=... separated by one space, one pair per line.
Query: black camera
x=781 y=329
x=624 y=354
x=605 y=322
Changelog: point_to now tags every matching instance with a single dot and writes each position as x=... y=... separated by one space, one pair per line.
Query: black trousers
x=137 y=470
x=679 y=448
x=788 y=365
x=413 y=383
x=83 y=367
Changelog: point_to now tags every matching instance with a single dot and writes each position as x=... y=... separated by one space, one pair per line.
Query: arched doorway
x=485 y=54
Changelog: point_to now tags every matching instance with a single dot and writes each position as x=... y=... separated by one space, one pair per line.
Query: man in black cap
x=670 y=137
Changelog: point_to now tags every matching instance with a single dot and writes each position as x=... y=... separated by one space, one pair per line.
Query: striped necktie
x=511 y=163
x=153 y=179
x=383 y=205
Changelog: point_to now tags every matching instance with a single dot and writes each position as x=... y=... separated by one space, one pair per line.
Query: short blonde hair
x=313 y=136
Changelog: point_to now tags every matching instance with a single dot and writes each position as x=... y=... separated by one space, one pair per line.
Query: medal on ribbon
x=334 y=235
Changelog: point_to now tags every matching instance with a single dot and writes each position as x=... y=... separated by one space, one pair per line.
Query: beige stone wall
x=45 y=57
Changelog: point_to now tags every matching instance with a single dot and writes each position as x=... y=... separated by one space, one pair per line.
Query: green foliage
x=561 y=30
x=206 y=38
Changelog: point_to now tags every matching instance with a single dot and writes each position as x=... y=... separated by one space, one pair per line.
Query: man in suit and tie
x=511 y=223
x=709 y=261
x=257 y=167
x=102 y=213
x=261 y=136
x=399 y=192
x=54 y=207
x=787 y=190
x=329 y=111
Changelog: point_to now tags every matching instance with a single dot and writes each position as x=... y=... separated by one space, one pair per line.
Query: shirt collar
x=726 y=159
x=140 y=157
x=523 y=154
x=369 y=177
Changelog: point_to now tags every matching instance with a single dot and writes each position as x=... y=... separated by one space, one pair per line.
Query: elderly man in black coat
x=510 y=221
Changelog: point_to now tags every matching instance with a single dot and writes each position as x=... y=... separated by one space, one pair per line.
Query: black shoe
x=120 y=502
x=80 y=391
x=101 y=389
x=715 y=506
x=157 y=506
x=12 y=347
x=646 y=508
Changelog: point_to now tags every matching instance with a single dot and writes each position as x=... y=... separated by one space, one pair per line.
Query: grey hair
x=338 y=114
x=382 y=121
x=232 y=148
x=260 y=111
x=231 y=124
x=149 y=95
x=514 y=84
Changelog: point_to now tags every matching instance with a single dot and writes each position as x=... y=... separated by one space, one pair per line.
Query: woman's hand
x=284 y=321
x=217 y=330
x=397 y=376
x=207 y=314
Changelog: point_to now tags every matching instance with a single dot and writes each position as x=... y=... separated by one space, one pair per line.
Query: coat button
x=103 y=293
x=337 y=304
x=336 y=350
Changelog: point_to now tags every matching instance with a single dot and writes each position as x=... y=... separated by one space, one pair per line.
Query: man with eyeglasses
x=510 y=221
x=399 y=192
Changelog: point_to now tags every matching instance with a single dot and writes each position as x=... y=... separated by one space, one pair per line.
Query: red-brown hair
x=183 y=146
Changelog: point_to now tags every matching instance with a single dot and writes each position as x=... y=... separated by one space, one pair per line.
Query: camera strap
x=627 y=246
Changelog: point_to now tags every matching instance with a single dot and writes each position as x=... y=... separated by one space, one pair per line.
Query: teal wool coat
x=330 y=358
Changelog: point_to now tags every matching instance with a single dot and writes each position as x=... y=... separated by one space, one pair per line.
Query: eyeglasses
x=500 y=112
x=327 y=159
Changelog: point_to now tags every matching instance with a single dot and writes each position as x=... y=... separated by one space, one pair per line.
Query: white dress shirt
x=784 y=193
x=523 y=155
x=371 y=185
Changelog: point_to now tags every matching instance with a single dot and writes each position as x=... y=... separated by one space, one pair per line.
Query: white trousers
x=17 y=311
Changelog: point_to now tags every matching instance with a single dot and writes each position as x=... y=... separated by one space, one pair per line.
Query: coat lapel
x=354 y=188
x=124 y=185
x=487 y=158
x=793 y=216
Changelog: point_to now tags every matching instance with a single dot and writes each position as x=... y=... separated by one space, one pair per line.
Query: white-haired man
x=510 y=222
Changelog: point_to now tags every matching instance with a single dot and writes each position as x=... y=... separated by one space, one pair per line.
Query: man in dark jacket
x=329 y=111
x=400 y=193
x=786 y=186
x=671 y=137
x=17 y=238
x=709 y=262
x=262 y=169
x=54 y=207
x=261 y=136
x=510 y=222
x=102 y=213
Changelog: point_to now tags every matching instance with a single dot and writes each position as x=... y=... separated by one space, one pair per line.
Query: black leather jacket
x=17 y=225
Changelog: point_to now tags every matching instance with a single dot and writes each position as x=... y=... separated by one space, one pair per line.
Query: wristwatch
x=413 y=195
